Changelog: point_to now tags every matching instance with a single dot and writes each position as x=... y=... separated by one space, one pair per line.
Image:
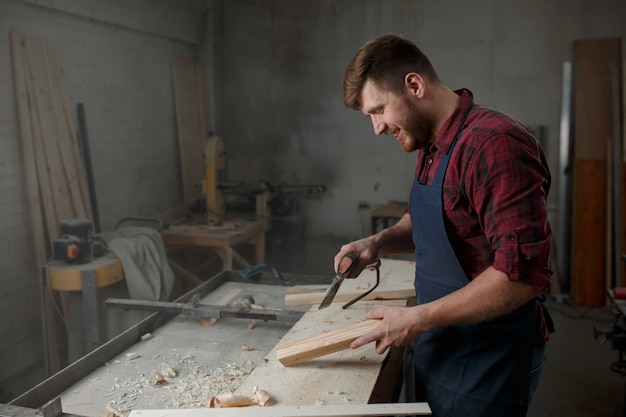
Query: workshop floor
x=576 y=381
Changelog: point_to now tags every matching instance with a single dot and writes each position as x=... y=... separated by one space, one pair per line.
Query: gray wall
x=277 y=69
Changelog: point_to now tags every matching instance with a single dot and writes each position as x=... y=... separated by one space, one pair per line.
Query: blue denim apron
x=467 y=370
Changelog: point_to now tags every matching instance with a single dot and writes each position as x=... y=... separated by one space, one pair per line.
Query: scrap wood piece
x=346 y=410
x=323 y=344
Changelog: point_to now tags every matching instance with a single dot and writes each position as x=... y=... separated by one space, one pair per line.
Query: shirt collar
x=446 y=135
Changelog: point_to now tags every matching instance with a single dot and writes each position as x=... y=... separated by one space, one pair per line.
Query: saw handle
x=346 y=264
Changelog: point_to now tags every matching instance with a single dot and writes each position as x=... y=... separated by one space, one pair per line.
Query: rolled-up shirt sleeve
x=509 y=186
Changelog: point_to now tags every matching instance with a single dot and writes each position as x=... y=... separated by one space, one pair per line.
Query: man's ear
x=414 y=84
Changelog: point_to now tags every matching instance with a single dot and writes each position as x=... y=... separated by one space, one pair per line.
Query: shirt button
x=430 y=160
x=511 y=237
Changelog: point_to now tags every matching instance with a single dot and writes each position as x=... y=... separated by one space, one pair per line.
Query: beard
x=418 y=128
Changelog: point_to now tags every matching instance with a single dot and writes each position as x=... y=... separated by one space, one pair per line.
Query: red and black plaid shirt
x=494 y=194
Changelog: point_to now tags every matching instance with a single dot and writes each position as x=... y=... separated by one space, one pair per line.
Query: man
x=477 y=223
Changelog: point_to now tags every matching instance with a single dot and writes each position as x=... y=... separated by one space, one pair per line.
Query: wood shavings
x=247 y=348
x=262 y=397
x=188 y=383
x=159 y=379
x=112 y=412
x=131 y=356
x=169 y=372
x=251 y=324
x=145 y=337
x=259 y=397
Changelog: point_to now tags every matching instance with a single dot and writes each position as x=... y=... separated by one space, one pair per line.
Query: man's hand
x=392 y=240
x=366 y=252
x=399 y=326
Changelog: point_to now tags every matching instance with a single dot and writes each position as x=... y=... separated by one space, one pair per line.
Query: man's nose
x=379 y=125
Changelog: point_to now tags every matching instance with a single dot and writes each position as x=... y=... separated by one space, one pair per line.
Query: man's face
x=397 y=115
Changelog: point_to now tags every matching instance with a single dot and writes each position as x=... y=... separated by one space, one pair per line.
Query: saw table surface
x=207 y=360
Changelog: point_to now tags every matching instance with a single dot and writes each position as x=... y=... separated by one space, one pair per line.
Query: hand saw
x=345 y=267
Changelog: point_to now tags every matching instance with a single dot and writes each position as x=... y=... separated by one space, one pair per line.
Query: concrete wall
x=280 y=108
x=116 y=58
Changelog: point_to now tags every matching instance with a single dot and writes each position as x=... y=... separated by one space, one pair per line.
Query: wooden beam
x=293 y=353
x=189 y=125
x=316 y=297
x=593 y=60
x=348 y=410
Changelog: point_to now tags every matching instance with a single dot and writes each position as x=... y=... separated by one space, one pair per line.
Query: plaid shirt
x=494 y=194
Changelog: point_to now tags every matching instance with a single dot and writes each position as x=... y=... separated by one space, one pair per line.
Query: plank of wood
x=593 y=60
x=75 y=175
x=224 y=300
x=397 y=282
x=21 y=94
x=346 y=410
x=303 y=350
x=45 y=186
x=189 y=125
x=37 y=215
x=49 y=138
x=306 y=289
x=588 y=233
x=316 y=297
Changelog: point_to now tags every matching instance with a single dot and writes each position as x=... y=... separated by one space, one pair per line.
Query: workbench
x=210 y=360
x=220 y=240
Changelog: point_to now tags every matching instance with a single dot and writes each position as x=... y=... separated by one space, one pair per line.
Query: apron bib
x=468 y=370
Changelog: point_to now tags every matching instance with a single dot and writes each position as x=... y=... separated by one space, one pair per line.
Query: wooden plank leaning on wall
x=57 y=187
x=592 y=129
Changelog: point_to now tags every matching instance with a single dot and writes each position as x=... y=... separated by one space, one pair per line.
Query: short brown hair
x=385 y=60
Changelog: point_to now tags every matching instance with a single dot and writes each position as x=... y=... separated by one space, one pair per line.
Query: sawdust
x=187 y=383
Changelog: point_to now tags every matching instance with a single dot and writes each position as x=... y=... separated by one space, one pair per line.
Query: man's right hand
x=392 y=240
x=366 y=251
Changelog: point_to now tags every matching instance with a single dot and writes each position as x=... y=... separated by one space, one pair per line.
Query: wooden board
x=299 y=351
x=56 y=183
x=191 y=107
x=345 y=376
x=397 y=282
x=593 y=59
x=593 y=63
x=588 y=233
x=346 y=410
